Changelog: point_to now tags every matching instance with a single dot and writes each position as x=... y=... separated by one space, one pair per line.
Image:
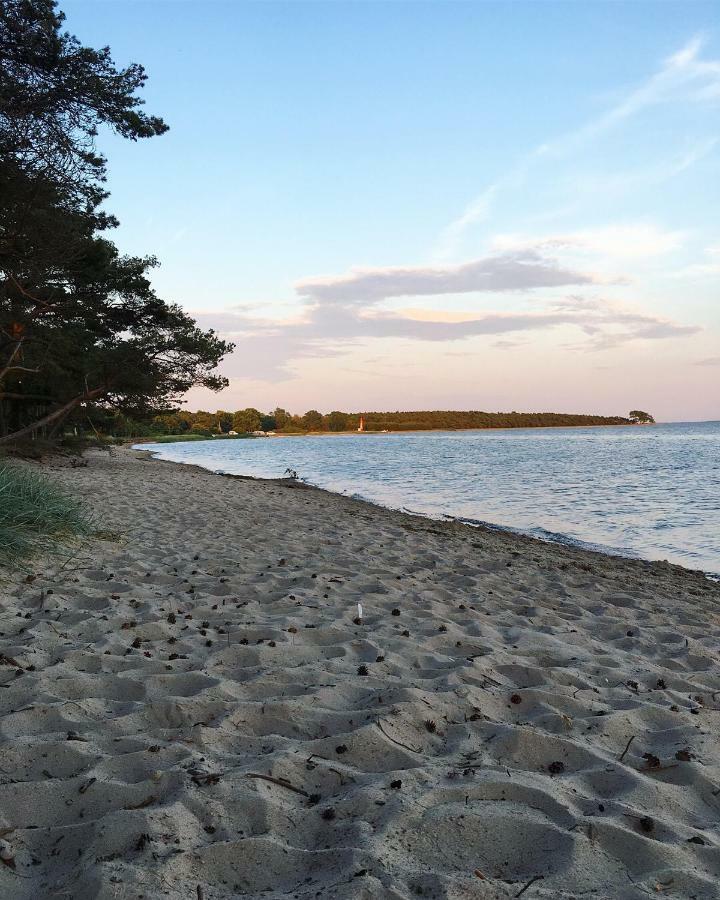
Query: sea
x=651 y=492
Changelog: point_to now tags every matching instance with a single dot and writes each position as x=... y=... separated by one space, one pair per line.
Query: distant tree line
x=281 y=421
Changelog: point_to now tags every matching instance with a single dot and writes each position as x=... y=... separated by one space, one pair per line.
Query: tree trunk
x=59 y=414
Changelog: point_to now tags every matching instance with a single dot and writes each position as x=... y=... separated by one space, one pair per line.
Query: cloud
x=631 y=241
x=524 y=269
x=709 y=361
x=684 y=76
x=269 y=350
x=711 y=266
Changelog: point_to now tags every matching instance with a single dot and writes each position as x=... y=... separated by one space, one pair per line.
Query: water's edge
x=538 y=535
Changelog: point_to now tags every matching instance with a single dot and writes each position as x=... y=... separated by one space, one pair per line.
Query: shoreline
x=191 y=699
x=143 y=440
x=572 y=544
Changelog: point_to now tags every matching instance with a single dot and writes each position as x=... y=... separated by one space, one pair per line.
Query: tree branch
x=59 y=414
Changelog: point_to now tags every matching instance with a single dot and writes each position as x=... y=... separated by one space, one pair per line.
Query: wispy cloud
x=684 y=76
x=709 y=361
x=625 y=241
x=709 y=267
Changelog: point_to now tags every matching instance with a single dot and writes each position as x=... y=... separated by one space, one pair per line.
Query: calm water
x=648 y=492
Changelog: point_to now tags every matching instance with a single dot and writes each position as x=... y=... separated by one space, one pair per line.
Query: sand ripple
x=189 y=702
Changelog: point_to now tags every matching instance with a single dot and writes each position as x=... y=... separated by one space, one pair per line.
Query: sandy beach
x=190 y=708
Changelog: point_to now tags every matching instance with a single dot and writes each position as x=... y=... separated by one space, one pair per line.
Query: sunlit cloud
x=631 y=241
x=270 y=350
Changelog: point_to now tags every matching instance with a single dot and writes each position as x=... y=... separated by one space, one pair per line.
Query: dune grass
x=36 y=516
x=175 y=438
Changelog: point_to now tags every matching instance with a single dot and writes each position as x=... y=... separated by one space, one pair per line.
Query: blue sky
x=414 y=205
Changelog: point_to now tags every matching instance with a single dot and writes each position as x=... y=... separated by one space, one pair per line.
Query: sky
x=432 y=205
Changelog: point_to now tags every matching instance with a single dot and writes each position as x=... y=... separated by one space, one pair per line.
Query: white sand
x=211 y=640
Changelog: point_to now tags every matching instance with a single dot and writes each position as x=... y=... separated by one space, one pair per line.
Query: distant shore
x=214 y=437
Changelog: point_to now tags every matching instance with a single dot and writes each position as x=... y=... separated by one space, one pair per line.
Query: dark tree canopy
x=640 y=417
x=79 y=324
x=419 y=420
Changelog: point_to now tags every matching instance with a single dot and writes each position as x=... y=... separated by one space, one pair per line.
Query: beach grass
x=36 y=516
x=173 y=438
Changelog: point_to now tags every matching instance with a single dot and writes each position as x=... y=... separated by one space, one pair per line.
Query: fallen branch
x=399 y=743
x=529 y=884
x=627 y=747
x=279 y=781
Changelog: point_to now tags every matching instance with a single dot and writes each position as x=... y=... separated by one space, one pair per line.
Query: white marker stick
x=360 y=611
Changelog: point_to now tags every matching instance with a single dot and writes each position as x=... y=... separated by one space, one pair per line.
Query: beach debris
x=653 y=762
x=282 y=782
x=363 y=670
x=684 y=755
x=9 y=661
x=627 y=747
x=341 y=748
x=556 y=768
x=430 y=726
x=532 y=880
x=399 y=743
x=141 y=842
x=87 y=785
x=516 y=699
x=660 y=684
x=74 y=736
x=396 y=784
x=201 y=778
x=395 y=612
x=7 y=854
x=148 y=801
x=328 y=814
x=696 y=839
x=645 y=823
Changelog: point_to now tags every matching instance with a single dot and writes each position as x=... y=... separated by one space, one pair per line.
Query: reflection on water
x=652 y=492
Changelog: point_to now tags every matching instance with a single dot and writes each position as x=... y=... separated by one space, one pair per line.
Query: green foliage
x=337 y=421
x=190 y=436
x=245 y=421
x=249 y=420
x=639 y=417
x=451 y=420
x=312 y=420
x=81 y=330
x=34 y=515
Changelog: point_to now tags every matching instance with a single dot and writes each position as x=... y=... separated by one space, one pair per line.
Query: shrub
x=35 y=515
